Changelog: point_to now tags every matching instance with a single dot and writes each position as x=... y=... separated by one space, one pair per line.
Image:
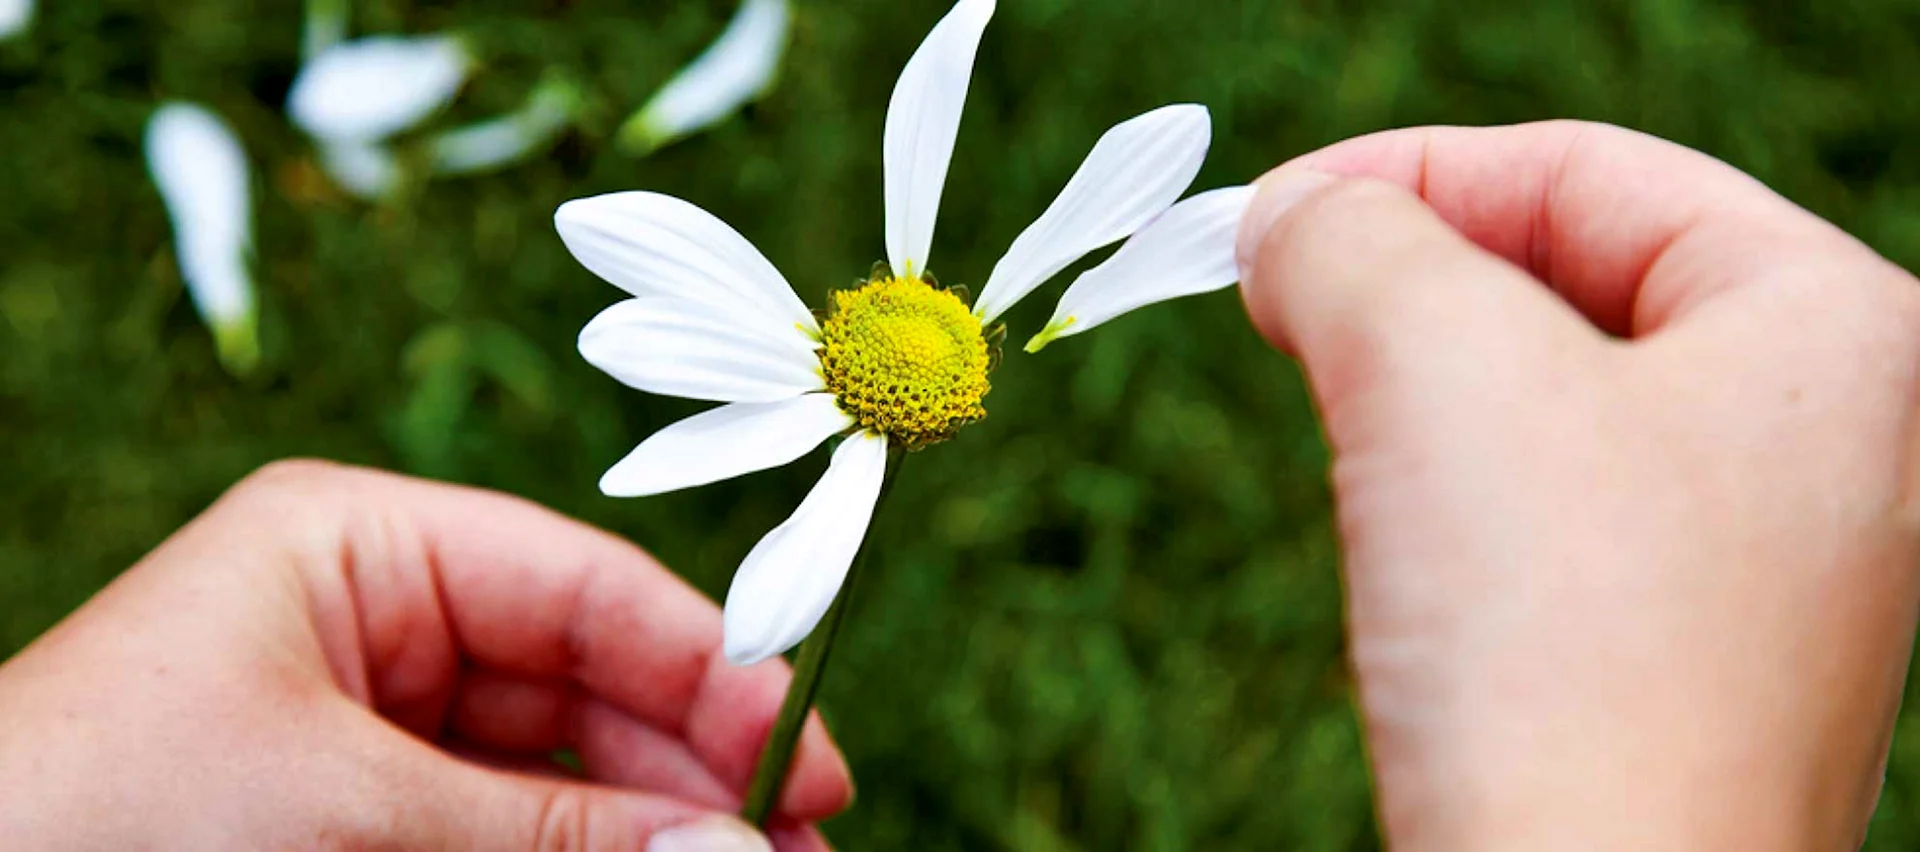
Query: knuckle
x=298 y=474
x=300 y=482
x=564 y=822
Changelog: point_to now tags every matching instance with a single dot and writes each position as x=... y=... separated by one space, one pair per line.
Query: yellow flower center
x=905 y=359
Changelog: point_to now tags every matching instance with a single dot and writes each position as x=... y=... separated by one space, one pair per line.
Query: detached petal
x=1136 y=171
x=15 y=15
x=503 y=141
x=201 y=170
x=1188 y=250
x=923 y=118
x=684 y=348
x=791 y=577
x=729 y=441
x=367 y=170
x=650 y=244
x=739 y=66
x=372 y=88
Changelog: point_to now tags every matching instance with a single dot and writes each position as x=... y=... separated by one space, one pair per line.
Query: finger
x=819 y=783
x=515 y=714
x=525 y=764
x=400 y=792
x=503 y=713
x=1632 y=230
x=798 y=837
x=1369 y=288
x=618 y=749
x=419 y=575
x=464 y=806
x=536 y=717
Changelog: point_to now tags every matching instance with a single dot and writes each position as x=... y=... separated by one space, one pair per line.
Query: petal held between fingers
x=650 y=244
x=1187 y=250
x=726 y=442
x=1135 y=172
x=372 y=88
x=788 y=581
x=923 y=119
x=679 y=347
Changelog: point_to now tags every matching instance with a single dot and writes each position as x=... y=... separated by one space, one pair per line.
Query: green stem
x=770 y=775
x=326 y=26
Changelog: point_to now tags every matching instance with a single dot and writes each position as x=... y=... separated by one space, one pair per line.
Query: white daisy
x=201 y=170
x=897 y=363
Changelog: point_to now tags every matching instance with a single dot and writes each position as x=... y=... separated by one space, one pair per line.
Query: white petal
x=1135 y=172
x=372 y=88
x=15 y=15
x=1187 y=250
x=739 y=66
x=510 y=138
x=656 y=245
x=791 y=577
x=923 y=118
x=366 y=169
x=326 y=26
x=201 y=171
x=679 y=347
x=726 y=442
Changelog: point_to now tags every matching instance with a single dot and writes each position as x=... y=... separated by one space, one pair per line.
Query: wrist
x=1619 y=799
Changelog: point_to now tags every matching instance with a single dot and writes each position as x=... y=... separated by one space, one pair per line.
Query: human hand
x=278 y=674
x=1625 y=461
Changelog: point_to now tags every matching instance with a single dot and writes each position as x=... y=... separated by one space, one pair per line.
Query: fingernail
x=1279 y=192
x=710 y=834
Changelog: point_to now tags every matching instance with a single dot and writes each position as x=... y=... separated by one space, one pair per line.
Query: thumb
x=471 y=807
x=1371 y=289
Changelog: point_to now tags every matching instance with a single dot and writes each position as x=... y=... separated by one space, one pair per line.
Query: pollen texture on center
x=906 y=360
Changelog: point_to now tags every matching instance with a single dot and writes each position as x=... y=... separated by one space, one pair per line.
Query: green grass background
x=1108 y=617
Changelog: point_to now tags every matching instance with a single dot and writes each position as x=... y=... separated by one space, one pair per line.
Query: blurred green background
x=1108 y=617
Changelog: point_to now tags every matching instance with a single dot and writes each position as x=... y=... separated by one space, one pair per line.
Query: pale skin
x=335 y=658
x=1629 y=499
x=1627 y=478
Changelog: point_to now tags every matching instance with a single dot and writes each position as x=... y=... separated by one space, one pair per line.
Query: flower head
x=905 y=360
x=898 y=362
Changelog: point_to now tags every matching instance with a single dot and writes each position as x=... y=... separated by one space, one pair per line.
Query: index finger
x=1632 y=230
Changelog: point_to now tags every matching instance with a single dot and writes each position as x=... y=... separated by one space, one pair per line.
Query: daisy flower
x=897 y=363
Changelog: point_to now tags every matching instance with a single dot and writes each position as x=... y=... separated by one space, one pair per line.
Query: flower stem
x=770 y=775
